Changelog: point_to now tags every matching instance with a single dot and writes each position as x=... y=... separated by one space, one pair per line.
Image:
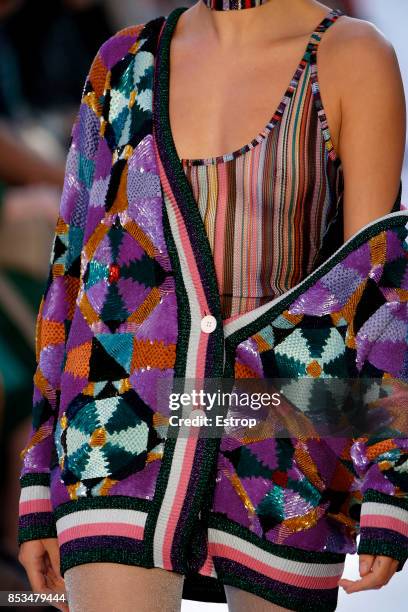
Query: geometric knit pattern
x=352 y=322
x=109 y=279
x=131 y=277
x=105 y=437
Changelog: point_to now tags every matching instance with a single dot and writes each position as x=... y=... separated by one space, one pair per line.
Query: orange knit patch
x=95 y=239
x=308 y=468
x=58 y=269
x=124 y=385
x=71 y=288
x=241 y=492
x=132 y=99
x=378 y=249
x=244 y=371
x=381 y=447
x=155 y=354
x=72 y=490
x=52 y=332
x=299 y=523
x=89 y=389
x=153 y=456
x=78 y=360
x=92 y=101
x=292 y=318
x=127 y=151
x=44 y=386
x=314 y=369
x=336 y=317
x=107 y=484
x=38 y=436
x=88 y=312
x=121 y=202
x=160 y=420
x=261 y=343
x=97 y=77
x=98 y=437
x=61 y=227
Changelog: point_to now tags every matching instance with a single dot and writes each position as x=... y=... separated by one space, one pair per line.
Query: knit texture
x=131 y=277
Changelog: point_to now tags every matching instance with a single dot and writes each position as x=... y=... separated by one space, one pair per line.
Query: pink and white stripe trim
x=35 y=499
x=384 y=516
x=88 y=523
x=297 y=573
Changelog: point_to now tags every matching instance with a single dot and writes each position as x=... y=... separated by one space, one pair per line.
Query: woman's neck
x=243 y=29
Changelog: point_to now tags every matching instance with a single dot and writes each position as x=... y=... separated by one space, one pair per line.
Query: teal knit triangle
x=272 y=504
x=119 y=346
x=316 y=339
x=114 y=308
x=249 y=465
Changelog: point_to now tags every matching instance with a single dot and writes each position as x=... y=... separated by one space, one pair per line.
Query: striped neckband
x=232 y=5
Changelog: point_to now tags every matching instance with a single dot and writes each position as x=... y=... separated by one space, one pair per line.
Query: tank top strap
x=317 y=35
x=311 y=53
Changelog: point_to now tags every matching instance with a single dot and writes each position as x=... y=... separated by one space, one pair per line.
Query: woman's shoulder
x=128 y=40
x=357 y=46
x=361 y=64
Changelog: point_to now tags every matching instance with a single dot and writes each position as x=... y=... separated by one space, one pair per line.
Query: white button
x=208 y=324
x=197 y=412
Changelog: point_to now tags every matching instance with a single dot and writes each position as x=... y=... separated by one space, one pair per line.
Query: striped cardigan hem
x=112 y=529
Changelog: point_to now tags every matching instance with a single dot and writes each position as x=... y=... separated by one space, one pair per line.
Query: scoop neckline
x=278 y=114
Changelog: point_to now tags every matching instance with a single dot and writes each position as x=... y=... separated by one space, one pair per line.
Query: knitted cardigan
x=131 y=278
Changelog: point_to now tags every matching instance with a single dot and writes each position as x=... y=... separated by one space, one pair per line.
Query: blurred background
x=46 y=49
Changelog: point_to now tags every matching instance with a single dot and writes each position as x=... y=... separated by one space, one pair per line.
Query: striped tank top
x=272 y=209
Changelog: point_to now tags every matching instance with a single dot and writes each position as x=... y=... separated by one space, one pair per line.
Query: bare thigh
x=242 y=601
x=113 y=587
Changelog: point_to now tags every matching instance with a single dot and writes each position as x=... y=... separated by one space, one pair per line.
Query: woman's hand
x=375 y=571
x=41 y=560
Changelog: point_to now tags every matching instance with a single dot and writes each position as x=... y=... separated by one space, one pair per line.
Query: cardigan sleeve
x=384 y=509
x=57 y=306
x=381 y=462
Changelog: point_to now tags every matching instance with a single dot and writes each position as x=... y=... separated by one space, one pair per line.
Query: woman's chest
x=217 y=105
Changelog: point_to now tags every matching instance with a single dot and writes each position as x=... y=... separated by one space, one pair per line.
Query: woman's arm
x=370 y=105
x=19 y=165
x=371 y=129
